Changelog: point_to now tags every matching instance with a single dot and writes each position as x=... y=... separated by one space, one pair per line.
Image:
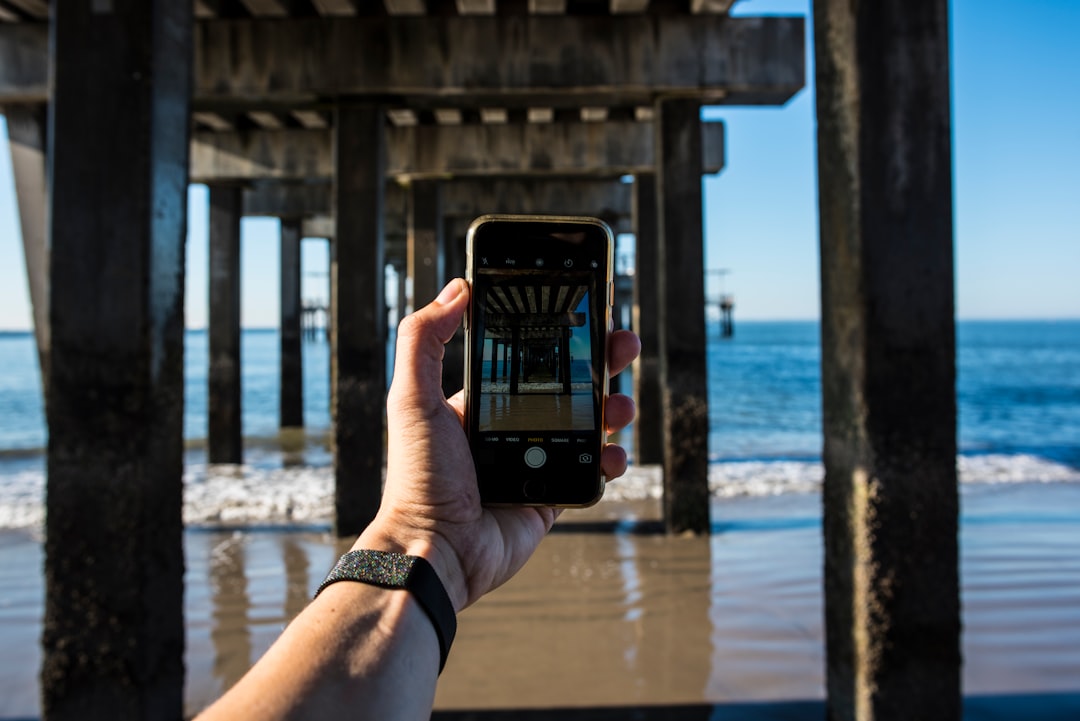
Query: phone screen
x=536 y=346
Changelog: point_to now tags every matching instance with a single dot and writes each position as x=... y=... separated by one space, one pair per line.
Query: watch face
x=537 y=362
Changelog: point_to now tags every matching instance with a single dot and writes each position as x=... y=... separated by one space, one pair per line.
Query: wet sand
x=610 y=620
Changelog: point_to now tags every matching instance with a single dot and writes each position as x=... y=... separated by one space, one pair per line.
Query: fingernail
x=451 y=291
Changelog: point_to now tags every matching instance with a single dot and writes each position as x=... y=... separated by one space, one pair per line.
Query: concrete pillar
x=425 y=252
x=224 y=440
x=681 y=317
x=27 y=141
x=892 y=612
x=291 y=409
x=648 y=426
x=359 y=307
x=113 y=632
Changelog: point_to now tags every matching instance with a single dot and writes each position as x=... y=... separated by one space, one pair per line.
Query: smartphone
x=536 y=371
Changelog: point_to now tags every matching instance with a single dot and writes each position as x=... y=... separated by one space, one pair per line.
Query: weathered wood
x=683 y=374
x=113 y=631
x=426 y=255
x=892 y=612
x=648 y=425
x=24 y=63
x=224 y=439
x=291 y=406
x=741 y=61
x=27 y=142
x=359 y=310
x=600 y=150
x=551 y=60
x=461 y=200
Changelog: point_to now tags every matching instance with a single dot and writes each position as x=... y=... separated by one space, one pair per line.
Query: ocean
x=1018 y=393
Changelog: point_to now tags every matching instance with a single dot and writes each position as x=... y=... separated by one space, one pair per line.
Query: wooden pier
x=384 y=127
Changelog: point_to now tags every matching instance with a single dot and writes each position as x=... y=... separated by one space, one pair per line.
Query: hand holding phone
x=536 y=360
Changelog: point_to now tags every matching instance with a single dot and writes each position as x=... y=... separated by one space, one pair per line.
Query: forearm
x=358 y=652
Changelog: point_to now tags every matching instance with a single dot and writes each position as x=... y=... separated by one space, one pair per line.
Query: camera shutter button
x=535 y=457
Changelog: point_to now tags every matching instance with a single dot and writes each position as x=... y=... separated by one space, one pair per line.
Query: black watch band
x=411 y=573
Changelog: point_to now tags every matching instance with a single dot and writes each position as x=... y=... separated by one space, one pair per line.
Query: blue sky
x=1016 y=146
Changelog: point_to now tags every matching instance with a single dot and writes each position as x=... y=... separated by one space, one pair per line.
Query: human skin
x=364 y=652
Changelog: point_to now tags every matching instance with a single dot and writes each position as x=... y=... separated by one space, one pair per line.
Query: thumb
x=420 y=341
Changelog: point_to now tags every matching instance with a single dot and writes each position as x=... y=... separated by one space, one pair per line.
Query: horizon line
x=966 y=319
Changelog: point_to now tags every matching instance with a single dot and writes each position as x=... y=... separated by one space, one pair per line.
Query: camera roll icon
x=585 y=458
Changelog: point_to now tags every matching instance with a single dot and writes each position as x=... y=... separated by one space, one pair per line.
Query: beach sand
x=610 y=620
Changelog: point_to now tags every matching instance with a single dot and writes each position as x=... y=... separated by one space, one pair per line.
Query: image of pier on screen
x=537 y=351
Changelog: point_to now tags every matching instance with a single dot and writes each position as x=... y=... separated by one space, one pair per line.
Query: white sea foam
x=297 y=495
x=22 y=499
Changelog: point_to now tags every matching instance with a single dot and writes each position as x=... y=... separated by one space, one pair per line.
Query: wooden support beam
x=334 y=8
x=26 y=139
x=113 y=627
x=266 y=8
x=291 y=405
x=718 y=59
x=892 y=604
x=38 y=9
x=648 y=425
x=547 y=7
x=683 y=373
x=224 y=438
x=426 y=253
x=24 y=63
x=405 y=7
x=556 y=60
x=462 y=199
x=604 y=150
x=358 y=353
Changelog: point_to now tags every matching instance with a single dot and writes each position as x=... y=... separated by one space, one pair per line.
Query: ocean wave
x=257 y=494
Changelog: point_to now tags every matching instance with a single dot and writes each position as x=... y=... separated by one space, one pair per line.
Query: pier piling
x=113 y=636
x=291 y=405
x=224 y=440
x=892 y=610
x=681 y=318
x=358 y=305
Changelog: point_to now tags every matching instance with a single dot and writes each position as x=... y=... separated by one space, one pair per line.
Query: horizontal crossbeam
x=557 y=60
x=610 y=150
x=463 y=198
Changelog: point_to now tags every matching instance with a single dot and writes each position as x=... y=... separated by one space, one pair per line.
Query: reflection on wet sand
x=296 y=576
x=542 y=412
x=594 y=619
x=230 y=604
x=610 y=621
x=256 y=582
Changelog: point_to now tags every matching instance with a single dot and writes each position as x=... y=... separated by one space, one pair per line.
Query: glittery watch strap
x=411 y=573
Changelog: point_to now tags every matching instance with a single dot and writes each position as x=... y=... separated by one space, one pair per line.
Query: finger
x=619 y=411
x=623 y=347
x=420 y=341
x=613 y=461
x=457 y=402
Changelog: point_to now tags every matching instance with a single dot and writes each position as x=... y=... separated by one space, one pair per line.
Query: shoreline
x=609 y=617
x=283 y=490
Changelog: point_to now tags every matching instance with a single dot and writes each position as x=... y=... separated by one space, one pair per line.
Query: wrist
x=379 y=537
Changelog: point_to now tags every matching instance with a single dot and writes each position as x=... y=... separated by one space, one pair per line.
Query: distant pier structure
x=315 y=323
x=722 y=301
x=382 y=129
